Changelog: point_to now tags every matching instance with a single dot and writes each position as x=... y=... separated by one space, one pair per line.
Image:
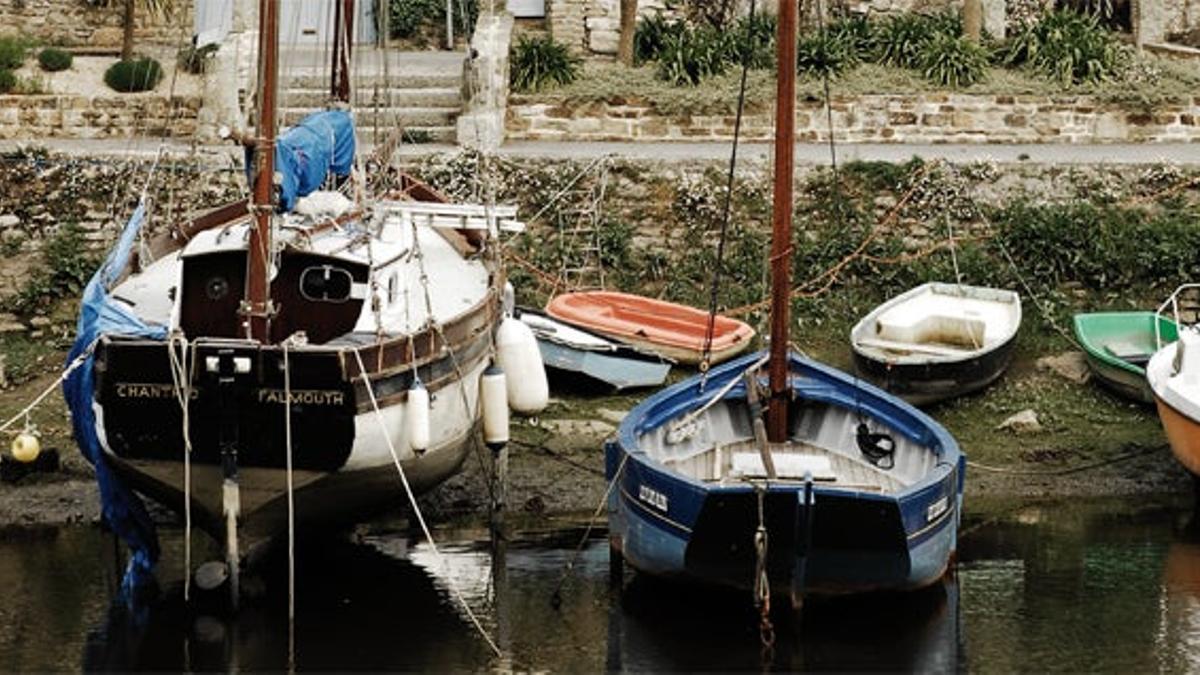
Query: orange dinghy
x=672 y=330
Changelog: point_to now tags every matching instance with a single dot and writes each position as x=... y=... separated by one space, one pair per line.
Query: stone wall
x=79 y=23
x=928 y=118
x=111 y=116
x=593 y=26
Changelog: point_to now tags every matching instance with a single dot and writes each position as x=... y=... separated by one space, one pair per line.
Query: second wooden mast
x=781 y=230
x=257 y=307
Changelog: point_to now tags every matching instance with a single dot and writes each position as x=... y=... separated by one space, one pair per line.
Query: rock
x=1069 y=365
x=610 y=415
x=9 y=220
x=1024 y=422
x=10 y=324
x=39 y=322
x=578 y=428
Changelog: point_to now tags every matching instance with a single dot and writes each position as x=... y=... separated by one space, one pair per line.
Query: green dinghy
x=1118 y=346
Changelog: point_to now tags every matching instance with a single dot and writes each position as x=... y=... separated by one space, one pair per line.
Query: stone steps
x=401 y=97
x=363 y=83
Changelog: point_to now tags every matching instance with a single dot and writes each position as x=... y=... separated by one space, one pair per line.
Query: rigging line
x=291 y=505
x=412 y=500
x=737 y=130
x=559 y=195
x=79 y=361
x=833 y=165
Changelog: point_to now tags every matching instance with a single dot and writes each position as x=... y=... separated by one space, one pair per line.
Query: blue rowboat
x=842 y=515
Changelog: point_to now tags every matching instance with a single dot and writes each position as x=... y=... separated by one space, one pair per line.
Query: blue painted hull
x=846 y=541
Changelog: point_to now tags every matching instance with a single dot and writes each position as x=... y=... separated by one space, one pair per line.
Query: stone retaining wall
x=928 y=118
x=66 y=116
x=78 y=23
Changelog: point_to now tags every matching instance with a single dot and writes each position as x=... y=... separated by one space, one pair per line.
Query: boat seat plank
x=1129 y=352
x=934 y=350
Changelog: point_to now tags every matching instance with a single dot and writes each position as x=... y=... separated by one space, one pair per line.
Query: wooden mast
x=257 y=307
x=781 y=231
x=343 y=40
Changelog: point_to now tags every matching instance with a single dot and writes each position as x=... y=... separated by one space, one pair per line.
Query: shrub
x=134 y=75
x=540 y=61
x=855 y=33
x=407 y=18
x=650 y=34
x=196 y=61
x=13 y=51
x=953 y=61
x=900 y=39
x=1067 y=46
x=694 y=54
x=8 y=81
x=824 y=54
x=54 y=60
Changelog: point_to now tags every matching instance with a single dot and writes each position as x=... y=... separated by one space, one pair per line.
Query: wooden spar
x=257 y=307
x=343 y=31
x=781 y=236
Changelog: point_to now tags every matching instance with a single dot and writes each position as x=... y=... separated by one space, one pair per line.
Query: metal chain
x=762 y=584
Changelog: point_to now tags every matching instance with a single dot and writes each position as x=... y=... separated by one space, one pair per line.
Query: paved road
x=805 y=153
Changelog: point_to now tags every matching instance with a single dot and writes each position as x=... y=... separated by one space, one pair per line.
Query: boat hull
x=1106 y=337
x=1124 y=383
x=842 y=541
x=926 y=383
x=1183 y=434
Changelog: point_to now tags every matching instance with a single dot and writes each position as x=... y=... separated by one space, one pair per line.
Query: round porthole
x=216 y=288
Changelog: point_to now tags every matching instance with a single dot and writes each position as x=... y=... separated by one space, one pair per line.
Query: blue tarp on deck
x=100 y=315
x=321 y=144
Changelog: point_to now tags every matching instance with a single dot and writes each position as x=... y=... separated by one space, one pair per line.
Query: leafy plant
x=196 y=61
x=953 y=61
x=538 y=62
x=900 y=38
x=694 y=54
x=824 y=54
x=8 y=81
x=135 y=75
x=409 y=18
x=649 y=36
x=13 y=50
x=855 y=32
x=66 y=265
x=53 y=60
x=753 y=39
x=1067 y=46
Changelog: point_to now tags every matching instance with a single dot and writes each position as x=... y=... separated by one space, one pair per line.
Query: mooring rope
x=1132 y=454
x=412 y=500
x=291 y=505
x=556 y=596
x=79 y=361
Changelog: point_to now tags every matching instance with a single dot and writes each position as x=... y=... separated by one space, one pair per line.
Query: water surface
x=1103 y=585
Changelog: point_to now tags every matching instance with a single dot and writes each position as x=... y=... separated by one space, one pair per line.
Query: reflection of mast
x=781 y=237
x=256 y=308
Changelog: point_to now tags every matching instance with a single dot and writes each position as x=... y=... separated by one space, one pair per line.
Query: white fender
x=518 y=355
x=416 y=413
x=493 y=394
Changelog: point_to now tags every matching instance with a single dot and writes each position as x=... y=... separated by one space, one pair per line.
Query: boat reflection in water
x=1179 y=629
x=382 y=604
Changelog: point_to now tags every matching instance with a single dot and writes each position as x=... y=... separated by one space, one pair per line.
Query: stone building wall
x=927 y=118
x=112 y=116
x=78 y=23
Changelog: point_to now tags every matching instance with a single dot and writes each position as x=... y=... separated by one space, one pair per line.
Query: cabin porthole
x=216 y=288
x=326 y=283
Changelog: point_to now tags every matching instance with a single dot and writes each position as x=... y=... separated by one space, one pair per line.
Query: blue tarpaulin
x=321 y=144
x=100 y=315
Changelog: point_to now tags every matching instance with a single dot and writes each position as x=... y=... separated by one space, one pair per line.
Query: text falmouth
x=298 y=396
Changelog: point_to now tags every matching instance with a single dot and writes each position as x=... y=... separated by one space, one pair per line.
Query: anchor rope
x=762 y=581
x=556 y=596
x=412 y=500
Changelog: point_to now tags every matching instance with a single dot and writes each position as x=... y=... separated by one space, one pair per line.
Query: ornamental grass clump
x=134 y=75
x=953 y=62
x=1067 y=46
x=539 y=62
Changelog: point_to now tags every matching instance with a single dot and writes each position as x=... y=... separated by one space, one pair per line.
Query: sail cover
x=321 y=144
x=100 y=315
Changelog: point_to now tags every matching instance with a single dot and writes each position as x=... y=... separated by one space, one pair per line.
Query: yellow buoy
x=26 y=448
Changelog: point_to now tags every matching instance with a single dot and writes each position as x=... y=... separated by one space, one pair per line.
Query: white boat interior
x=1174 y=373
x=938 y=322
x=718 y=446
x=399 y=242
